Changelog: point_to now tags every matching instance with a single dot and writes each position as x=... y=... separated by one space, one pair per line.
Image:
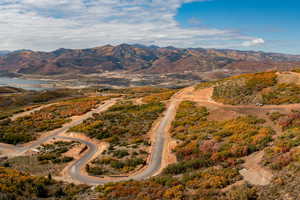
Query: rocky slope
x=143 y=59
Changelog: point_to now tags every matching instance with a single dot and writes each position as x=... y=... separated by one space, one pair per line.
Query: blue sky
x=268 y=25
x=276 y=21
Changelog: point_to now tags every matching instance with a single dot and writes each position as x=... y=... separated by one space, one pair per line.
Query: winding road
x=155 y=163
x=75 y=169
x=21 y=149
x=152 y=168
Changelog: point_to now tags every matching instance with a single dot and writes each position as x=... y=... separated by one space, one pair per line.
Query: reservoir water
x=24 y=83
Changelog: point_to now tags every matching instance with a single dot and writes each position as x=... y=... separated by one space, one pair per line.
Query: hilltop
x=261 y=88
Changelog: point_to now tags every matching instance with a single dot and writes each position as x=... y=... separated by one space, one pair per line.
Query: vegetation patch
x=27 y=128
x=203 y=184
x=139 y=92
x=120 y=158
x=282 y=94
x=9 y=90
x=209 y=159
x=204 y=85
x=156 y=98
x=275 y=116
x=54 y=152
x=244 y=89
x=263 y=88
x=22 y=100
x=19 y=185
x=285 y=149
x=49 y=159
x=125 y=127
x=284 y=185
x=216 y=142
x=211 y=152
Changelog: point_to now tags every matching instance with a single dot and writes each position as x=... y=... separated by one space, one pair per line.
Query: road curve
x=75 y=169
x=155 y=161
x=153 y=166
x=21 y=149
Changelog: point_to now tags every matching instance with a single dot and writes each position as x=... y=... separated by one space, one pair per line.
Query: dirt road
x=23 y=114
x=252 y=172
x=154 y=164
x=21 y=149
x=252 y=169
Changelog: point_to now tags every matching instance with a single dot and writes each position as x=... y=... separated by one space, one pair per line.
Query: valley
x=137 y=65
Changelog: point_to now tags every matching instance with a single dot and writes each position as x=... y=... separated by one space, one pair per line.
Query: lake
x=25 y=84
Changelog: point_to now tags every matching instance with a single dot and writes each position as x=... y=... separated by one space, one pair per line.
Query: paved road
x=152 y=168
x=21 y=149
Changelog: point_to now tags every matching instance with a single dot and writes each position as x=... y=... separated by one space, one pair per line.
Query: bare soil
x=253 y=172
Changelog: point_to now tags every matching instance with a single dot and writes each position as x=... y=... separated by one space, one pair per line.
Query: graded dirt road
x=203 y=97
x=23 y=114
x=154 y=165
x=253 y=172
x=21 y=149
x=75 y=170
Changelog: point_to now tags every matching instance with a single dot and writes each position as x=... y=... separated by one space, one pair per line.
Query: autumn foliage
x=27 y=128
x=243 y=89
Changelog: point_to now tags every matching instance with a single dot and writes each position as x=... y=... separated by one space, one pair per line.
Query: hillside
x=144 y=60
x=260 y=88
x=9 y=90
x=213 y=150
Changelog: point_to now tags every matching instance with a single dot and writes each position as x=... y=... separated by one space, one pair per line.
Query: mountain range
x=3 y=53
x=142 y=59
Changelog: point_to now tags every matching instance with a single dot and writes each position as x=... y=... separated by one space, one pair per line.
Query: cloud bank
x=253 y=42
x=50 y=24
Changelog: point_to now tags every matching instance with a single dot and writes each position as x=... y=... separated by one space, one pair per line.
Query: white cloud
x=253 y=42
x=50 y=24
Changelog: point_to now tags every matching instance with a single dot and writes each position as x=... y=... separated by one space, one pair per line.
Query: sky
x=45 y=25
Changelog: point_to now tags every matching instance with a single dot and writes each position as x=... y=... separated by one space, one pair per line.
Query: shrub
x=25 y=129
x=243 y=89
x=117 y=164
x=120 y=153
